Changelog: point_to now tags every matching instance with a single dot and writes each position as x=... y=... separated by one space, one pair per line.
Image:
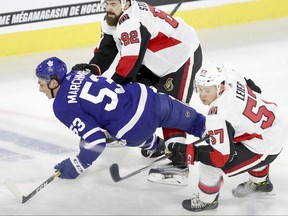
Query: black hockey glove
x=92 y=68
x=253 y=86
x=181 y=153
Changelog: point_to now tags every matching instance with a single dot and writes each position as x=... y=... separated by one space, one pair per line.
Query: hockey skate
x=195 y=204
x=249 y=187
x=156 y=153
x=169 y=174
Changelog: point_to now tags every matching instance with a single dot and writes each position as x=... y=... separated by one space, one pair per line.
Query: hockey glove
x=92 y=68
x=70 y=168
x=181 y=153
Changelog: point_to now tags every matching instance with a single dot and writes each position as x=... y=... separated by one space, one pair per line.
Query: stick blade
x=114 y=172
x=13 y=189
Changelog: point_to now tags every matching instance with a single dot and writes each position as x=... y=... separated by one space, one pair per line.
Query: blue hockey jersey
x=88 y=104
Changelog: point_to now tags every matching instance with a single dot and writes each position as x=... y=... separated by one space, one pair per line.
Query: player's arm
x=134 y=45
x=219 y=151
x=105 y=52
x=221 y=141
x=104 y=55
x=92 y=144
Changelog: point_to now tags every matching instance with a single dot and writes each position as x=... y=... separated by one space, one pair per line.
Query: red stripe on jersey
x=211 y=190
x=125 y=65
x=218 y=159
x=184 y=81
x=247 y=136
x=260 y=173
x=169 y=133
x=244 y=164
x=161 y=41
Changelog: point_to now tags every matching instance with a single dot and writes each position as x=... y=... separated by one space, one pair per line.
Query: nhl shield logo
x=187 y=114
x=169 y=86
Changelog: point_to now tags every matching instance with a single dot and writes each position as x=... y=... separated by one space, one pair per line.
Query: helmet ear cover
x=54 y=77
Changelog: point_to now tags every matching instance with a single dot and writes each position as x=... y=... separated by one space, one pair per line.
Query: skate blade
x=256 y=194
x=170 y=179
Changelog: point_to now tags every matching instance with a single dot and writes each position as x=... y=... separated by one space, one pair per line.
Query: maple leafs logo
x=50 y=63
x=50 y=66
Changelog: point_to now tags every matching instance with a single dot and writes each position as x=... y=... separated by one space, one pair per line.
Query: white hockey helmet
x=211 y=74
x=123 y=2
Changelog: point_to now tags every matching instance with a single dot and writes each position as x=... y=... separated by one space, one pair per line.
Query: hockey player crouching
x=245 y=132
x=88 y=104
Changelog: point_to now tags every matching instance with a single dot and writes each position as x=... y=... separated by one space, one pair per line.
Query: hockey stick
x=114 y=168
x=176 y=7
x=14 y=190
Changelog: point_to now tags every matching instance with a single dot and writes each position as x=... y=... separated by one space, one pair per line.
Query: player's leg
x=180 y=86
x=210 y=182
x=256 y=165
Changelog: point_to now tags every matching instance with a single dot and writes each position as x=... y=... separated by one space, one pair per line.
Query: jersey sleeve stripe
x=94 y=143
x=94 y=130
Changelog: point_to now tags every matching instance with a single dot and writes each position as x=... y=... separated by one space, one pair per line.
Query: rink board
x=88 y=34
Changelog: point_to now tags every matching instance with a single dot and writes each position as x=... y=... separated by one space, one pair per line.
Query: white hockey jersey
x=171 y=44
x=257 y=123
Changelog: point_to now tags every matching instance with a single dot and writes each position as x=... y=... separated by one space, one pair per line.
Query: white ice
x=32 y=141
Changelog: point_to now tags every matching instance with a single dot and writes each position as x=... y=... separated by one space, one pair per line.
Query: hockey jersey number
x=257 y=115
x=162 y=15
x=102 y=93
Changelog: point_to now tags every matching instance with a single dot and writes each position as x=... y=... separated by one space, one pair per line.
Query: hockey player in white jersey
x=154 y=48
x=245 y=132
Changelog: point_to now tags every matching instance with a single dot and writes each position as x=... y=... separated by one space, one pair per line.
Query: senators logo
x=213 y=110
x=169 y=86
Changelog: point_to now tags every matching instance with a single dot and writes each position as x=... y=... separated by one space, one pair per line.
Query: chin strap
x=52 y=89
x=52 y=93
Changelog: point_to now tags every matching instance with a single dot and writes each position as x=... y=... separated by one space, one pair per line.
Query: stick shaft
x=114 y=168
x=40 y=187
x=176 y=7
x=16 y=192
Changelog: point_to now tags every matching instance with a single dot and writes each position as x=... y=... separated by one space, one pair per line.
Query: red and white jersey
x=171 y=44
x=257 y=122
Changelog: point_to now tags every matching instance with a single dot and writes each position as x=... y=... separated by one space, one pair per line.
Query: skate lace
x=196 y=202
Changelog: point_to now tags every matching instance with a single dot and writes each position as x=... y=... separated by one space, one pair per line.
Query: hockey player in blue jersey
x=88 y=104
